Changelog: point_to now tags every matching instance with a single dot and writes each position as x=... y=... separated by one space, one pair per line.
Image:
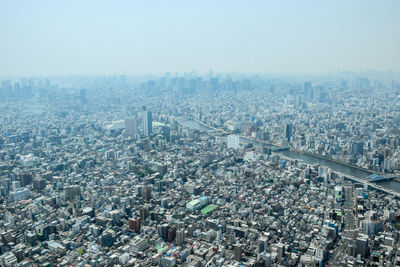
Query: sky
x=45 y=38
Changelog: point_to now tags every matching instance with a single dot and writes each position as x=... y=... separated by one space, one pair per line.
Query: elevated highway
x=371 y=184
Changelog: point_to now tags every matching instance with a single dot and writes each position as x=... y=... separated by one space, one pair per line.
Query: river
x=336 y=167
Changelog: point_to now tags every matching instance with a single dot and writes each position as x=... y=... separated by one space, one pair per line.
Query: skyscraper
x=308 y=92
x=147 y=122
x=131 y=127
x=288 y=131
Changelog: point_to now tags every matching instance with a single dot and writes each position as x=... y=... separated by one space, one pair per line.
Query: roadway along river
x=336 y=167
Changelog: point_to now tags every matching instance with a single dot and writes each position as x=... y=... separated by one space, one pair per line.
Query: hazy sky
x=139 y=37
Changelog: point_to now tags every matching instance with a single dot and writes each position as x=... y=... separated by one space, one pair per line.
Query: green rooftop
x=158 y=124
x=209 y=208
x=160 y=248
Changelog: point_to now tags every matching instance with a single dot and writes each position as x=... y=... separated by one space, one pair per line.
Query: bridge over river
x=384 y=183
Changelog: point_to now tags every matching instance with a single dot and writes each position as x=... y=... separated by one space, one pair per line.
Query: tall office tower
x=288 y=131
x=308 y=92
x=147 y=122
x=131 y=127
x=233 y=141
x=82 y=96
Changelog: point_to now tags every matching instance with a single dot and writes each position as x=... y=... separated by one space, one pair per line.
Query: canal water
x=394 y=185
x=189 y=123
x=336 y=167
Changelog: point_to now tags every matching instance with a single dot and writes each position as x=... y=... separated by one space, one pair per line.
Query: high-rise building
x=297 y=100
x=349 y=219
x=147 y=122
x=338 y=193
x=171 y=234
x=262 y=244
x=164 y=203
x=237 y=252
x=362 y=245
x=267 y=259
x=348 y=194
x=146 y=193
x=357 y=147
x=163 y=230
x=162 y=169
x=288 y=131
x=73 y=192
x=281 y=251
x=25 y=178
x=144 y=213
x=134 y=224
x=131 y=127
x=308 y=92
x=180 y=237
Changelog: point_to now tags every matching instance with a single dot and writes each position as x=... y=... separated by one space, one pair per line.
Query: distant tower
x=288 y=131
x=214 y=84
x=82 y=96
x=147 y=122
x=308 y=92
x=131 y=127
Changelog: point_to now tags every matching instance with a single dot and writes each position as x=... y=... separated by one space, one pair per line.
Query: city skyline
x=185 y=171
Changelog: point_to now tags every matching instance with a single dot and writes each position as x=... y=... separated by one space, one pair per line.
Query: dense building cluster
x=191 y=171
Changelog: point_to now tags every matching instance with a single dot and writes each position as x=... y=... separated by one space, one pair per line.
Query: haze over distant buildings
x=139 y=37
